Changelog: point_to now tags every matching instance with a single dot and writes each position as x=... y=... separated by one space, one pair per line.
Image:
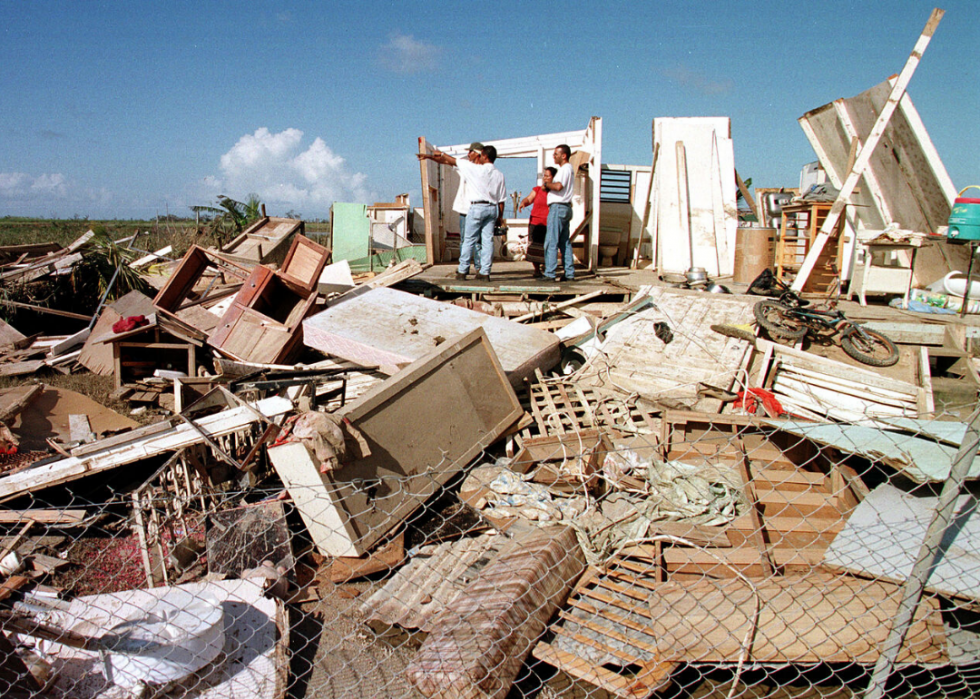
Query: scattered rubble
x=617 y=477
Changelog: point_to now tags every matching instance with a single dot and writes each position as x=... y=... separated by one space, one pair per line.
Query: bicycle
x=789 y=318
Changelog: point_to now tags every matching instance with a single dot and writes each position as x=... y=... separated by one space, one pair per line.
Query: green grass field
x=153 y=235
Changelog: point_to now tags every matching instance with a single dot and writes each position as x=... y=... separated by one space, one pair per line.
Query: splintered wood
x=819 y=388
x=621 y=618
x=635 y=359
x=682 y=596
x=561 y=407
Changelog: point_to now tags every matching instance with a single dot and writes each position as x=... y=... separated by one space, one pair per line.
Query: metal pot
x=696 y=275
x=716 y=288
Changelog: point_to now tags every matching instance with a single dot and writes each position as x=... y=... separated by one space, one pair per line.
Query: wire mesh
x=606 y=548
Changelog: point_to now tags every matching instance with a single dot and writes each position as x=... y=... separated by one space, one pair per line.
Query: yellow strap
x=972 y=186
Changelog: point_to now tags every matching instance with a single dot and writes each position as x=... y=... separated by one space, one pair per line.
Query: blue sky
x=132 y=109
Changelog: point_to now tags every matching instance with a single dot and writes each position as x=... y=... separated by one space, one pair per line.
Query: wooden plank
x=43 y=516
x=548 y=308
x=861 y=163
x=422 y=426
x=167 y=438
x=749 y=490
x=430 y=205
x=801 y=620
x=594 y=674
x=344 y=569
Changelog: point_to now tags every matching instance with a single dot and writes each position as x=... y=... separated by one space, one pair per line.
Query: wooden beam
x=748 y=198
x=867 y=150
x=646 y=212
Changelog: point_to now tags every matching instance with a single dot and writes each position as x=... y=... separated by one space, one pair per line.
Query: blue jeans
x=462 y=232
x=479 y=232
x=558 y=237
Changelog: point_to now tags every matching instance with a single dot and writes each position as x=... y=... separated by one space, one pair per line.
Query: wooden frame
x=805 y=218
x=422 y=426
x=588 y=142
x=177 y=297
x=127 y=365
x=264 y=322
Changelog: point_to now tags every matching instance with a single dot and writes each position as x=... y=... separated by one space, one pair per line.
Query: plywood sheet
x=633 y=619
x=711 y=194
x=96 y=355
x=389 y=328
x=48 y=417
x=883 y=536
x=905 y=182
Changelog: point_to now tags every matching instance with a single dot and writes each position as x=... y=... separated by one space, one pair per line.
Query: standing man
x=487 y=192
x=558 y=236
x=461 y=204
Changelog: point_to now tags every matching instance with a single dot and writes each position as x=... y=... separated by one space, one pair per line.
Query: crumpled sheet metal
x=921 y=459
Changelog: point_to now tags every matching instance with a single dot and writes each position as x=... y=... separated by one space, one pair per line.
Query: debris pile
x=472 y=489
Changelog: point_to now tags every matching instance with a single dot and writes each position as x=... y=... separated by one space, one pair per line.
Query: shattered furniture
x=158 y=345
x=877 y=275
x=265 y=242
x=264 y=322
x=201 y=280
x=799 y=226
x=422 y=426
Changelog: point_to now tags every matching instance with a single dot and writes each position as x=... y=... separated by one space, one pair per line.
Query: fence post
x=926 y=560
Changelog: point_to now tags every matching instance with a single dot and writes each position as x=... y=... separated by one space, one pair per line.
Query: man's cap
x=477 y=146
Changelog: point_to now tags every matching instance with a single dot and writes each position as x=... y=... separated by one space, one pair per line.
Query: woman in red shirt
x=538 y=224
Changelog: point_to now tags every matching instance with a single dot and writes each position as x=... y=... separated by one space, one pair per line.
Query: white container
x=169 y=639
x=954 y=284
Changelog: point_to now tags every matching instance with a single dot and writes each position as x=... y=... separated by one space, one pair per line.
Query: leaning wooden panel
x=422 y=425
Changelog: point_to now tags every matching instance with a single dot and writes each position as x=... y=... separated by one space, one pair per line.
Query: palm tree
x=230 y=217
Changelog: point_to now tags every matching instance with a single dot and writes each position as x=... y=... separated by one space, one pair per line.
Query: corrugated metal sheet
x=922 y=460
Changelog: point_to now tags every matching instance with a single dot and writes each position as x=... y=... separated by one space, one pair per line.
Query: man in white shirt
x=487 y=191
x=558 y=236
x=461 y=204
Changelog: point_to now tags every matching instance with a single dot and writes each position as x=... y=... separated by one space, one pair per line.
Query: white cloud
x=405 y=54
x=693 y=78
x=284 y=175
x=20 y=185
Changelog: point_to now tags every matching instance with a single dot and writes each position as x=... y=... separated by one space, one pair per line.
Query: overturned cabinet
x=264 y=322
x=422 y=426
x=265 y=242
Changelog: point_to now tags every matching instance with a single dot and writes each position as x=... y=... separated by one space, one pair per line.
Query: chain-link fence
x=579 y=544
